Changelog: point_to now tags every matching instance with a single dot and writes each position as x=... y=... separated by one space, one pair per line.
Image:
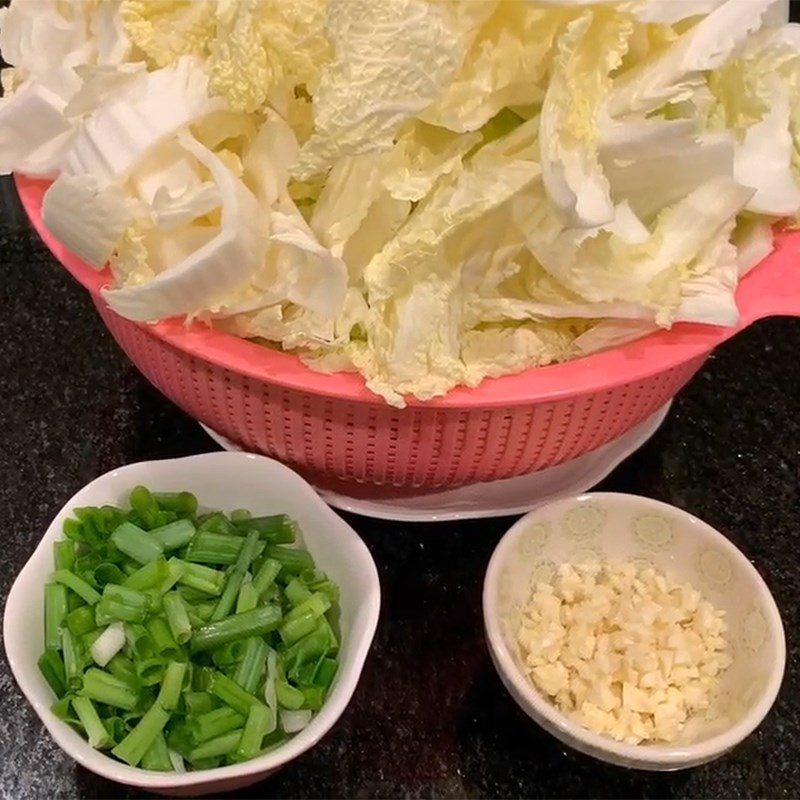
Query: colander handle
x=772 y=289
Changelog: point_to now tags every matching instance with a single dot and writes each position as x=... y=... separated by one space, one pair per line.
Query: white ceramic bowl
x=225 y=481
x=616 y=527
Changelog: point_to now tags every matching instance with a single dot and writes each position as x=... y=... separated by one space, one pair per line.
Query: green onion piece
x=180 y=502
x=149 y=576
x=55 y=614
x=248 y=597
x=52 y=668
x=314 y=697
x=215 y=723
x=326 y=672
x=121 y=603
x=317 y=604
x=197 y=703
x=214 y=548
x=116 y=728
x=175 y=569
x=277 y=529
x=292 y=561
x=162 y=637
x=109 y=689
x=73 y=530
x=239 y=626
x=296 y=591
x=73 y=659
x=177 y=618
x=63 y=710
x=139 y=641
x=328 y=588
x=174 y=535
x=231 y=693
x=288 y=696
x=123 y=668
x=259 y=721
x=136 y=543
x=172 y=685
x=235 y=578
x=107 y=573
x=292 y=630
x=218 y=523
x=203 y=679
x=202 y=578
x=206 y=763
x=150 y=671
x=221 y=746
x=309 y=648
x=64 y=554
x=108 y=644
x=156 y=756
x=78 y=585
x=230 y=654
x=240 y=515
x=144 y=505
x=133 y=747
x=266 y=575
x=253 y=665
x=96 y=732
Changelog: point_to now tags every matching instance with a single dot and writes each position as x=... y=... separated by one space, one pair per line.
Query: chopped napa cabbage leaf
x=152 y=107
x=403 y=53
x=165 y=30
x=88 y=219
x=221 y=264
x=589 y=50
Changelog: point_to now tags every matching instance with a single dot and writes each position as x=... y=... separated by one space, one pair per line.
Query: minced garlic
x=627 y=652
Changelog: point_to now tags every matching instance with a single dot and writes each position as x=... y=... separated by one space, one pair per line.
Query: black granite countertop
x=430 y=717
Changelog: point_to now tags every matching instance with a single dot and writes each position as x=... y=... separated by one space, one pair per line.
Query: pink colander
x=332 y=429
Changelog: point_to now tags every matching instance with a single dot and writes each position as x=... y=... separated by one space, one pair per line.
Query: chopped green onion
x=123 y=668
x=78 y=585
x=55 y=614
x=230 y=654
x=294 y=721
x=109 y=689
x=96 y=732
x=214 y=548
x=253 y=665
x=291 y=560
x=150 y=671
x=326 y=672
x=108 y=644
x=221 y=746
x=64 y=554
x=174 y=535
x=248 y=597
x=144 y=505
x=235 y=578
x=73 y=659
x=136 y=543
x=139 y=641
x=296 y=591
x=218 y=523
x=156 y=756
x=151 y=575
x=204 y=579
x=122 y=603
x=197 y=703
x=215 y=723
x=107 y=573
x=277 y=529
x=180 y=502
x=288 y=696
x=259 y=721
x=172 y=685
x=240 y=515
x=177 y=618
x=239 y=626
x=160 y=633
x=133 y=747
x=52 y=668
x=231 y=693
x=266 y=574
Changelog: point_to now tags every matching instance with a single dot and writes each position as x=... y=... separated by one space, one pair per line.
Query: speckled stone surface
x=430 y=718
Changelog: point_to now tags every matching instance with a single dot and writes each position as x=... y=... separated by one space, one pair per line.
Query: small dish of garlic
x=633 y=631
